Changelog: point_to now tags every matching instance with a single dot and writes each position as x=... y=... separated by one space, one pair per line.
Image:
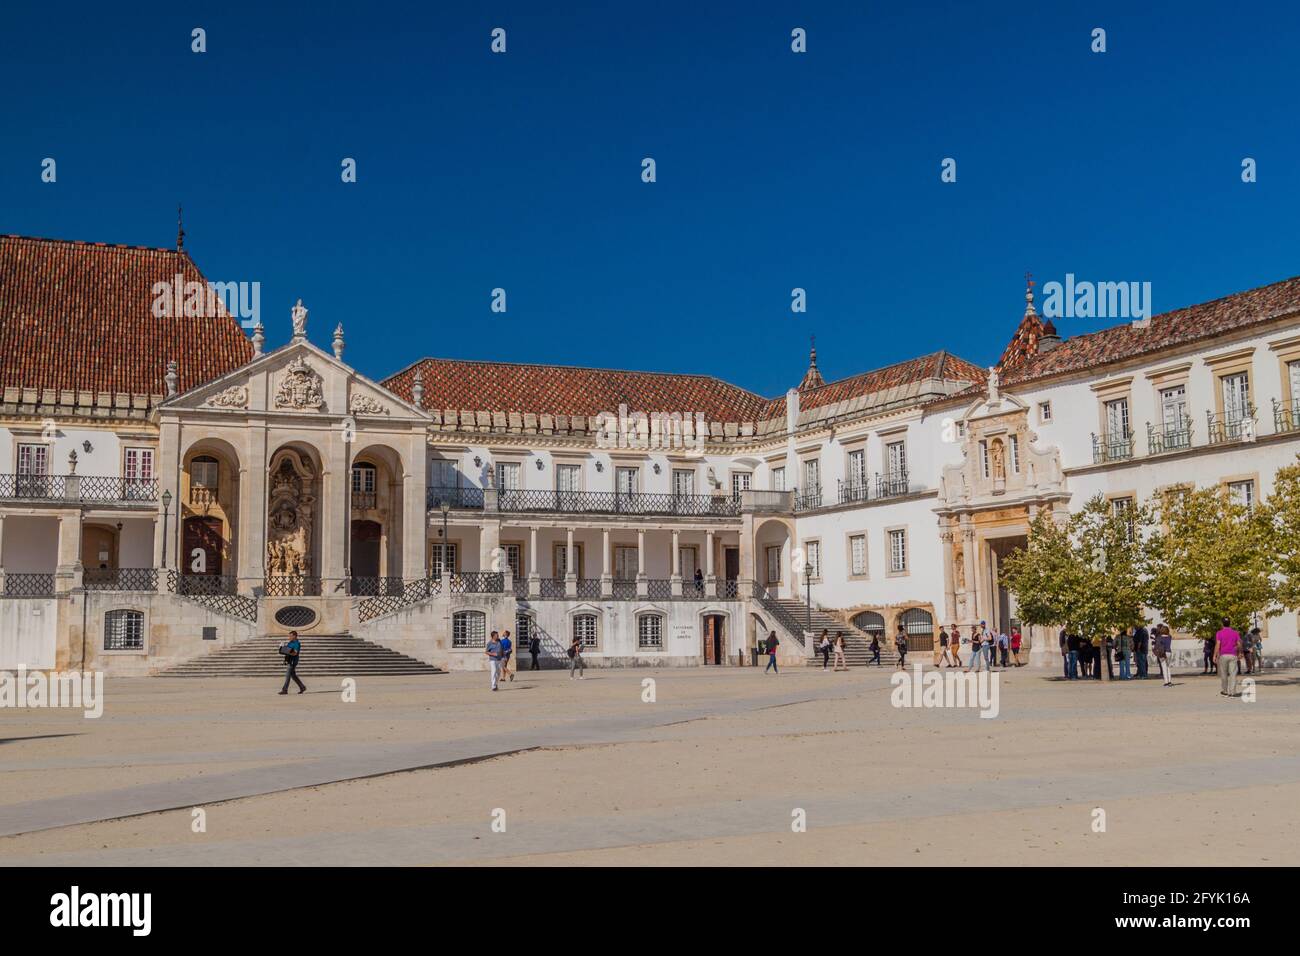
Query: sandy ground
x=715 y=771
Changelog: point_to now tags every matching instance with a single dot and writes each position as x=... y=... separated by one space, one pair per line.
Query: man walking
x=1227 y=643
x=507 y=648
x=579 y=666
x=1004 y=647
x=941 y=656
x=534 y=649
x=954 y=645
x=1141 y=647
x=292 y=651
x=493 y=652
x=1164 y=644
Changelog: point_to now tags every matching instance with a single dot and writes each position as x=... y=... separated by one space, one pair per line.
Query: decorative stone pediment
x=365 y=405
x=299 y=387
x=236 y=396
x=1000 y=459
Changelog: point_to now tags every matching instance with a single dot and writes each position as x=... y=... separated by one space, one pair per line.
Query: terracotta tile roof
x=936 y=365
x=569 y=390
x=77 y=315
x=1182 y=326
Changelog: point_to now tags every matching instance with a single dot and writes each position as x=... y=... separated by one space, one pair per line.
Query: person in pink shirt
x=1226 y=644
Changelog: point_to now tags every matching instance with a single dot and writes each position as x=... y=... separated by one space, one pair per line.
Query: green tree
x=1211 y=557
x=1281 y=512
x=1087 y=574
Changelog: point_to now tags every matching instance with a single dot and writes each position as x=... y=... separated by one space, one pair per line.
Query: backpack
x=572 y=650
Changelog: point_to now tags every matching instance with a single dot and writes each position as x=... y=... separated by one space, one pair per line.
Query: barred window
x=523 y=630
x=650 y=631
x=469 y=629
x=858 y=550
x=898 y=551
x=584 y=627
x=124 y=631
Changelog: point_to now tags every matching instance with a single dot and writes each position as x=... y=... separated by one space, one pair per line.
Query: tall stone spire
x=180 y=230
x=812 y=378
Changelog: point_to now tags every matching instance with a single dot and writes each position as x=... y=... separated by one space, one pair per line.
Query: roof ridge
x=82 y=243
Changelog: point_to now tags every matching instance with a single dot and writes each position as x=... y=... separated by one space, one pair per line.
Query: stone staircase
x=857 y=644
x=333 y=655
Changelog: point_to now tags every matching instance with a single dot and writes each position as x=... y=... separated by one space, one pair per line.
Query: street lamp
x=445 y=506
x=166 y=502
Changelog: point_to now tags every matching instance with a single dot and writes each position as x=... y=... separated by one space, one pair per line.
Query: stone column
x=642 y=588
x=335 y=482
x=570 y=571
x=169 y=480
x=2 y=554
x=747 y=576
x=968 y=565
x=606 y=576
x=415 y=523
x=949 y=585
x=676 y=576
x=250 y=519
x=68 y=572
x=534 y=578
x=710 y=579
x=489 y=546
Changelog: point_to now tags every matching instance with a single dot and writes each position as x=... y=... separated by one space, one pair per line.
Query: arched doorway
x=918 y=623
x=367 y=537
x=203 y=546
x=872 y=623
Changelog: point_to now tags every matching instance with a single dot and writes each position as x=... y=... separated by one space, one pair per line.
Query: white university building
x=171 y=486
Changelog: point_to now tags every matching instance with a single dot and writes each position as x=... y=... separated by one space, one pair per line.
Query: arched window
x=585 y=628
x=871 y=622
x=919 y=625
x=469 y=629
x=650 y=632
x=204 y=472
x=124 y=631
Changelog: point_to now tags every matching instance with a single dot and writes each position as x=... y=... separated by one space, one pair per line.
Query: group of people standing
x=986 y=647
x=1082 y=657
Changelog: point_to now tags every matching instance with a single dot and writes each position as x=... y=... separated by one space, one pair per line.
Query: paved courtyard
x=712 y=772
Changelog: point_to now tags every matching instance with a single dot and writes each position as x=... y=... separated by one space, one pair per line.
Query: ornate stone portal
x=289 y=516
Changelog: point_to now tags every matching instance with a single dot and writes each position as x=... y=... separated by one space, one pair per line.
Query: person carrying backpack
x=772 y=644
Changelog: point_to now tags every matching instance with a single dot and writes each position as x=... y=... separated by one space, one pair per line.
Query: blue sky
x=775 y=170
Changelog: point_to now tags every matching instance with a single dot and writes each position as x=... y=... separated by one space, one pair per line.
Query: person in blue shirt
x=292 y=651
x=493 y=651
x=507 y=648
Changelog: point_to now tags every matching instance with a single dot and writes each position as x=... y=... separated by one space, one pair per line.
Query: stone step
x=333 y=655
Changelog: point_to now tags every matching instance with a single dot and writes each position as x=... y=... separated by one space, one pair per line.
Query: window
x=523 y=631
x=858 y=555
x=1293 y=371
x=812 y=476
x=363 y=478
x=560 y=559
x=778 y=473
x=1173 y=408
x=514 y=558
x=813 y=559
x=1044 y=411
x=625 y=480
x=857 y=468
x=444 y=474
x=584 y=629
x=469 y=629
x=1013 y=454
x=773 y=564
x=1236 y=396
x=1117 y=419
x=568 y=477
x=124 y=631
x=508 y=475
x=33 y=459
x=435 y=558
x=1242 y=492
x=137 y=464
x=740 y=482
x=1124 y=508
x=650 y=631
x=686 y=557
x=204 y=472
x=984 y=459
x=683 y=483
x=897 y=458
x=898 y=551
x=625 y=563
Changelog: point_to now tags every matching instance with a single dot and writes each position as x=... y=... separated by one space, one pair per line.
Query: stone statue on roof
x=299 y=320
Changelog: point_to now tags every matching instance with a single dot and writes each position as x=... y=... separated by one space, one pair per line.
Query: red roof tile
x=77 y=315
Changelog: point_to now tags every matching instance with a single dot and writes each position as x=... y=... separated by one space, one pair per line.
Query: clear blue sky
x=775 y=170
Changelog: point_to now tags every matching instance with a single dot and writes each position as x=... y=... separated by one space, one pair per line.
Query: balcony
x=202 y=497
x=1111 y=446
x=616 y=503
x=460 y=497
x=120 y=579
x=1286 y=418
x=78 y=488
x=1234 y=425
x=876 y=488
x=363 y=500
x=478 y=582
x=809 y=500
x=21 y=584
x=291 y=585
x=1169 y=437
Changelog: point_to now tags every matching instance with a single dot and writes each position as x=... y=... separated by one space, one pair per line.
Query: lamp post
x=445 y=506
x=166 y=503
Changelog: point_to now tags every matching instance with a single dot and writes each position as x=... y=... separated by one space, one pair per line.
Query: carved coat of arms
x=299 y=387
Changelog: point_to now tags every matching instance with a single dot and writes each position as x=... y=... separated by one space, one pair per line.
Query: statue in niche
x=959 y=569
x=288 y=546
x=995 y=452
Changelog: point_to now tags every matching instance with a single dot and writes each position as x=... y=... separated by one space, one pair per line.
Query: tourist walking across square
x=534 y=649
x=900 y=645
x=578 y=665
x=954 y=646
x=507 y=649
x=1015 y=646
x=493 y=652
x=875 y=649
x=976 y=650
x=942 y=657
x=1227 y=644
x=824 y=648
x=772 y=645
x=1163 y=645
x=292 y=651
x=841 y=663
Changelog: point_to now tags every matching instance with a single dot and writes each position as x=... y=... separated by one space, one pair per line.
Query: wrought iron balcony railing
x=81 y=488
x=291 y=585
x=1112 y=446
x=478 y=582
x=589 y=589
x=1234 y=425
x=459 y=497
x=1286 y=418
x=376 y=586
x=409 y=593
x=616 y=503
x=214 y=591
x=1169 y=437
x=624 y=590
x=552 y=588
x=808 y=499
x=363 y=500
x=21 y=584
x=120 y=579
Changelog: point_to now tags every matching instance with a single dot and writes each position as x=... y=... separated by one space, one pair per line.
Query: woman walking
x=824 y=645
x=900 y=645
x=1015 y=646
x=875 y=649
x=954 y=646
x=575 y=654
x=840 y=662
x=772 y=644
